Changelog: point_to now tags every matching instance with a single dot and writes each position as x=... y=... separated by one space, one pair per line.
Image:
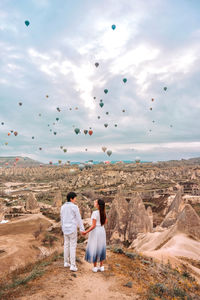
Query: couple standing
x=70 y=220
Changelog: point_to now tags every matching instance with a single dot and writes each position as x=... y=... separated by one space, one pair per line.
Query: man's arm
x=79 y=220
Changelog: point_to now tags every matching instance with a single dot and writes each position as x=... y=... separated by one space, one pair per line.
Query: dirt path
x=60 y=283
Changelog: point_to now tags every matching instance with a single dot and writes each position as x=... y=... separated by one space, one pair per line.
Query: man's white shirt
x=70 y=218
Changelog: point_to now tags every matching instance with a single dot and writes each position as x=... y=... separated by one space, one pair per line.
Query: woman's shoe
x=94 y=269
x=73 y=268
x=101 y=269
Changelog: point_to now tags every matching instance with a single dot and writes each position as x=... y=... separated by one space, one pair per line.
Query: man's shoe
x=101 y=269
x=94 y=269
x=73 y=268
x=66 y=265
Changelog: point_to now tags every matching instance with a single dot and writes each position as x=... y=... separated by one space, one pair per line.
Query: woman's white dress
x=96 y=247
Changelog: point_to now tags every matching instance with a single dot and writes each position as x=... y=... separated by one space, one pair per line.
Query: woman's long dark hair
x=102 y=211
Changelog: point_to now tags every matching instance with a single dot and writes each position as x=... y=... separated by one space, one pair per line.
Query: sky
x=50 y=64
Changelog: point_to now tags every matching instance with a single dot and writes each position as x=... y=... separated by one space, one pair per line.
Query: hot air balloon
x=47 y=96
x=124 y=80
x=58 y=109
x=85 y=131
x=81 y=167
x=115 y=125
x=109 y=152
x=11 y=131
x=96 y=64
x=165 y=88
x=55 y=133
x=152 y=99
x=33 y=137
x=153 y=121
x=57 y=119
x=15 y=133
x=104 y=149
x=123 y=110
x=61 y=147
x=2 y=123
x=107 y=113
x=98 y=117
x=101 y=104
x=90 y=132
x=64 y=150
x=113 y=27
x=85 y=149
x=60 y=161
x=76 y=108
x=39 y=115
x=171 y=126
x=150 y=108
x=94 y=98
x=8 y=133
x=137 y=160
x=105 y=91
x=50 y=163
x=77 y=130
x=20 y=103
x=40 y=148
x=70 y=108
x=6 y=143
x=106 y=125
x=27 y=23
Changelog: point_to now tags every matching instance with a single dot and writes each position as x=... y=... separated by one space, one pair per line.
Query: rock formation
x=174 y=209
x=31 y=202
x=57 y=201
x=126 y=220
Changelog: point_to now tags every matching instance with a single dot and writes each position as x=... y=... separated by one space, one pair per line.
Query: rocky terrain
x=153 y=212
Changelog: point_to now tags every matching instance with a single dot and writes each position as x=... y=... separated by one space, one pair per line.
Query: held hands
x=83 y=233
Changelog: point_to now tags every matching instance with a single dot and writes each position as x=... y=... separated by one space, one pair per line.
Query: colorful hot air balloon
x=165 y=88
x=77 y=130
x=104 y=149
x=124 y=80
x=57 y=119
x=64 y=150
x=90 y=132
x=113 y=27
x=47 y=96
x=15 y=133
x=105 y=91
x=81 y=167
x=59 y=161
x=109 y=152
x=27 y=23
x=96 y=64
x=85 y=131
x=106 y=125
x=50 y=162
x=152 y=99
x=8 y=133
x=40 y=148
x=101 y=104
x=55 y=133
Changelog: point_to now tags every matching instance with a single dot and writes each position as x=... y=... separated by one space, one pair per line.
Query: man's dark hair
x=70 y=196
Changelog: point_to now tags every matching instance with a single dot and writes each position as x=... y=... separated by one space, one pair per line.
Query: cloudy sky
x=156 y=44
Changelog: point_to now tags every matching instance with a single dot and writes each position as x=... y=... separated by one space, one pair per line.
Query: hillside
x=10 y=161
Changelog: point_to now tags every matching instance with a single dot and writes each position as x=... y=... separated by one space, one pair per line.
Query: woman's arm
x=92 y=227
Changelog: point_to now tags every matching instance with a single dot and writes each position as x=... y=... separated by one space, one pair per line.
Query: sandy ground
x=61 y=284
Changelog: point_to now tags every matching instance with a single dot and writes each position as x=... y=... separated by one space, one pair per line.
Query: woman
x=96 y=247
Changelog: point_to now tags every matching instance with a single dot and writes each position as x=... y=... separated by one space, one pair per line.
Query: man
x=70 y=219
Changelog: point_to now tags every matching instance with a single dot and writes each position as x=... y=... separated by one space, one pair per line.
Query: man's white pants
x=70 y=242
